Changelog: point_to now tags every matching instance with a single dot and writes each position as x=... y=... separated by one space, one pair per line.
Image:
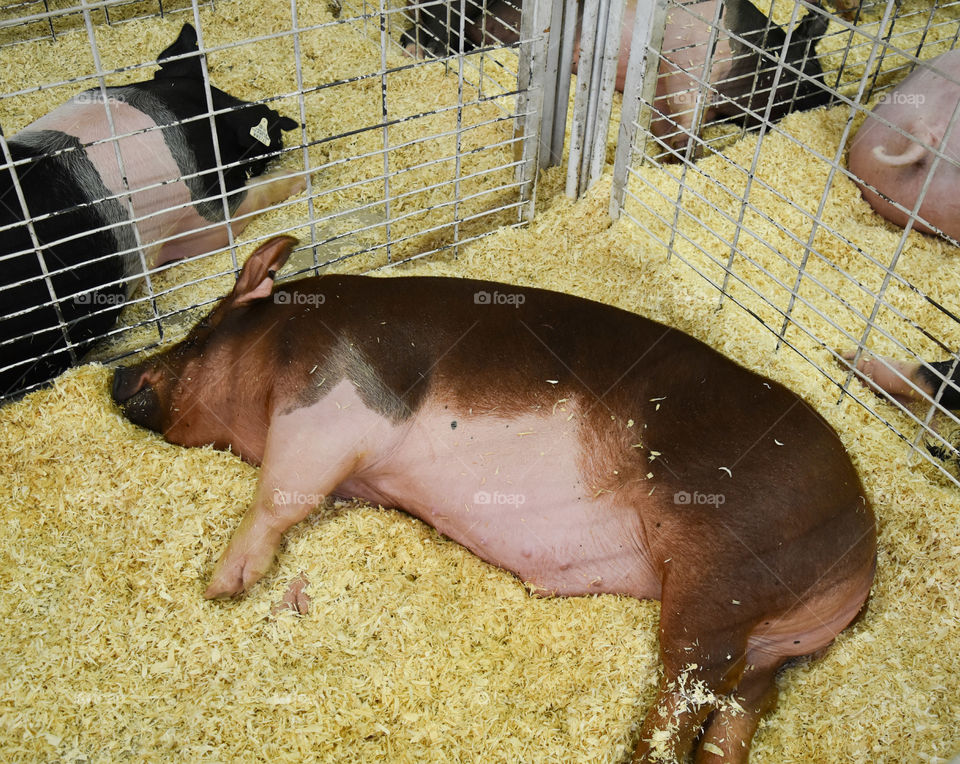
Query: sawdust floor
x=414 y=650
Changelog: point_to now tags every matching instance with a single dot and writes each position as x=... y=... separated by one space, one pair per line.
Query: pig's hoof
x=871 y=373
x=298 y=184
x=295 y=598
x=218 y=589
x=286 y=186
x=232 y=578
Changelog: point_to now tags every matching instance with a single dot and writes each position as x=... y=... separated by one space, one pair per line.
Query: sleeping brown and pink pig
x=582 y=447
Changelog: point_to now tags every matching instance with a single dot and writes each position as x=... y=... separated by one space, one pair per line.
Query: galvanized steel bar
x=609 y=55
x=581 y=102
x=639 y=87
x=553 y=74
x=534 y=27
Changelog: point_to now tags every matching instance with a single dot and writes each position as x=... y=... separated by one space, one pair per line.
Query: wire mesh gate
x=400 y=156
x=773 y=219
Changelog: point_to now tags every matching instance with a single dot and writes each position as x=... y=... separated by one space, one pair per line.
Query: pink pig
x=892 y=164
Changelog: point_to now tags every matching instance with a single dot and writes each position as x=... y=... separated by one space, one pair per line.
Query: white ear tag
x=259 y=131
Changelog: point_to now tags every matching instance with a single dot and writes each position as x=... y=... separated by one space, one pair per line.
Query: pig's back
x=488 y=343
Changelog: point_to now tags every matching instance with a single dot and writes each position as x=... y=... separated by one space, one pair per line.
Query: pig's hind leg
x=703 y=648
x=689 y=715
x=730 y=729
x=731 y=617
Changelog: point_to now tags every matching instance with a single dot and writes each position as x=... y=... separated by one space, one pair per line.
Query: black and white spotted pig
x=80 y=199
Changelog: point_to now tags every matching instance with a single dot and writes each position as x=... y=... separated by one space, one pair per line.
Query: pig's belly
x=512 y=490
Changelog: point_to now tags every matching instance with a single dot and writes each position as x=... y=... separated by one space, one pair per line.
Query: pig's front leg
x=253 y=546
x=261 y=193
x=289 y=489
x=264 y=192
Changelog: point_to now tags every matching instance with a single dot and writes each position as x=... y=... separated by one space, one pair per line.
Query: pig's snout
x=126 y=382
x=136 y=398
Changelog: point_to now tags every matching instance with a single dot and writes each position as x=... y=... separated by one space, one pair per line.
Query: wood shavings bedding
x=413 y=649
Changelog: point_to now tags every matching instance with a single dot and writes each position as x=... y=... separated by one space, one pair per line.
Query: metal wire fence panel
x=752 y=159
x=131 y=195
x=29 y=20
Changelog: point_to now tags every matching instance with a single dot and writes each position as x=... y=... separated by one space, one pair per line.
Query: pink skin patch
x=146 y=159
x=897 y=378
x=510 y=489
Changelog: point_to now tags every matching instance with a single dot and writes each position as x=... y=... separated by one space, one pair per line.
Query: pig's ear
x=256 y=278
x=812 y=27
x=184 y=67
x=256 y=131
